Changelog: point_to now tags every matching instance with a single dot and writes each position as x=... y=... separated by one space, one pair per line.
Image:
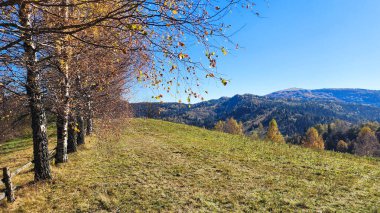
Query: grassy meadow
x=157 y=166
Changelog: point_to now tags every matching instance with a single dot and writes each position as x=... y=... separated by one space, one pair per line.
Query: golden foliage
x=313 y=139
x=230 y=126
x=366 y=142
x=219 y=126
x=274 y=133
x=366 y=131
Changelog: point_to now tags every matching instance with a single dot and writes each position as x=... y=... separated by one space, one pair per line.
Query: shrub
x=342 y=146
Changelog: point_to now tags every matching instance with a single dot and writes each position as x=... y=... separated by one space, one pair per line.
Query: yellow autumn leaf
x=159 y=97
x=175 y=12
x=224 y=81
x=224 y=51
x=211 y=75
x=182 y=56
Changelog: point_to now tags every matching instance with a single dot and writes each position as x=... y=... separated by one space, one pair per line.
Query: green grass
x=159 y=166
x=22 y=143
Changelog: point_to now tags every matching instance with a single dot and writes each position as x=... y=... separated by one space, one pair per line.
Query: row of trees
x=76 y=59
x=231 y=126
x=363 y=139
x=342 y=136
x=338 y=136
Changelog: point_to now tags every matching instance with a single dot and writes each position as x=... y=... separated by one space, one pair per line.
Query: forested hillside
x=293 y=116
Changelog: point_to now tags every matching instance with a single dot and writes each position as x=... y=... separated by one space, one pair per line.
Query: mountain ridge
x=294 y=115
x=348 y=95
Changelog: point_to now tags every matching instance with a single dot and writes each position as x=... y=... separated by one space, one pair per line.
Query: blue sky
x=300 y=43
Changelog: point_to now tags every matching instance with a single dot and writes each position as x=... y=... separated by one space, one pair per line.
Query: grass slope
x=159 y=166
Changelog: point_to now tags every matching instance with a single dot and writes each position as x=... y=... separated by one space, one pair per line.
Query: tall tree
x=64 y=107
x=366 y=143
x=233 y=127
x=33 y=87
x=313 y=139
x=274 y=133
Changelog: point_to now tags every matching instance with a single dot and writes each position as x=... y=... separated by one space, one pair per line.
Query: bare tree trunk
x=62 y=131
x=81 y=135
x=33 y=87
x=90 y=124
x=62 y=134
x=63 y=112
x=79 y=110
x=72 y=139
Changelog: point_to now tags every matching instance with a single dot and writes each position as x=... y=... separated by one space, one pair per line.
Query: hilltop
x=155 y=165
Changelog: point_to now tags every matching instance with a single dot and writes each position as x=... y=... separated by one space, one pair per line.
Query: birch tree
x=158 y=30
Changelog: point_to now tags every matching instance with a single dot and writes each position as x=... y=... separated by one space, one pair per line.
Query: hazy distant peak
x=291 y=89
x=357 y=96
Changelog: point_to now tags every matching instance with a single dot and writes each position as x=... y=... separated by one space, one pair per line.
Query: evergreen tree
x=273 y=133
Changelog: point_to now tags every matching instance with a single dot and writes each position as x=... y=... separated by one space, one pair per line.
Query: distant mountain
x=293 y=113
x=356 y=96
